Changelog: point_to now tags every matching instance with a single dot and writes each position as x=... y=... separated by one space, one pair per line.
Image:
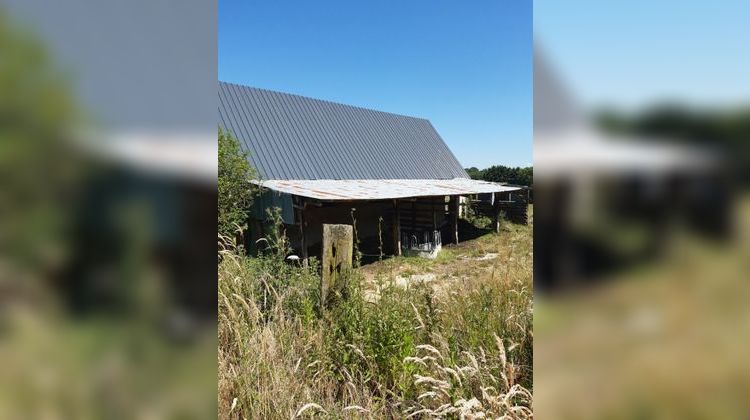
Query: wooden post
x=303 y=239
x=453 y=210
x=498 y=219
x=396 y=229
x=338 y=241
x=413 y=216
x=434 y=217
x=256 y=232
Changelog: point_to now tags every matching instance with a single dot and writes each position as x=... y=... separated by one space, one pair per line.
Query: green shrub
x=235 y=192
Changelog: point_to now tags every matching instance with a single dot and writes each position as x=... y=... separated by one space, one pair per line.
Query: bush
x=234 y=188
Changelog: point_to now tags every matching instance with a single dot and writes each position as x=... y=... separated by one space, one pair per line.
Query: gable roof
x=291 y=137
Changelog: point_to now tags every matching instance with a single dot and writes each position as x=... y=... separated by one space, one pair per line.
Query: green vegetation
x=393 y=346
x=722 y=129
x=235 y=190
x=499 y=173
x=656 y=340
x=38 y=166
x=59 y=359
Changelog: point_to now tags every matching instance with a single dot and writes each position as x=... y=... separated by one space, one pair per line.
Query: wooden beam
x=302 y=231
x=434 y=218
x=453 y=210
x=428 y=203
x=313 y=202
x=256 y=232
x=396 y=229
x=413 y=216
x=496 y=210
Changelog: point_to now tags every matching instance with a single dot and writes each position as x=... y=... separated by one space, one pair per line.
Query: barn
x=391 y=176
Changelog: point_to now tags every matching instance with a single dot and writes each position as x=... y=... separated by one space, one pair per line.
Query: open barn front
x=386 y=220
x=383 y=227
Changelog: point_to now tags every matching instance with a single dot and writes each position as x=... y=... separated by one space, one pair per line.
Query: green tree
x=500 y=173
x=38 y=165
x=525 y=176
x=235 y=189
x=474 y=173
x=720 y=129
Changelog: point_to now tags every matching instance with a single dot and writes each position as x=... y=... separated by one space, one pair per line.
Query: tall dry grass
x=414 y=352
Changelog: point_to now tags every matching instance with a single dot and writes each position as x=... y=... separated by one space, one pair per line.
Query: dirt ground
x=503 y=255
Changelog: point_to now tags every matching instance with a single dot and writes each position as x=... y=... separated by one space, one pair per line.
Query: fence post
x=338 y=243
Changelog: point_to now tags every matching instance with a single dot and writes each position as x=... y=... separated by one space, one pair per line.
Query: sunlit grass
x=459 y=345
x=662 y=339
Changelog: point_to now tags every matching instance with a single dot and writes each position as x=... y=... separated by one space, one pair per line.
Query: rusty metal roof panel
x=382 y=189
x=295 y=137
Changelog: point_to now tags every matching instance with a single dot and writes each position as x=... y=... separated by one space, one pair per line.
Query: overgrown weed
x=412 y=352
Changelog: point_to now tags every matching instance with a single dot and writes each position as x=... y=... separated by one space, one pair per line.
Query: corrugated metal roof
x=294 y=137
x=370 y=189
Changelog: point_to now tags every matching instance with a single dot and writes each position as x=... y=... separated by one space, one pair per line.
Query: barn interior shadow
x=468 y=231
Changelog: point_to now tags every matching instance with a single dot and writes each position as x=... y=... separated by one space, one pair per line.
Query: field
x=665 y=339
x=407 y=337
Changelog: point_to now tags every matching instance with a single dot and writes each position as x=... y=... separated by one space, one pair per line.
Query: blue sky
x=465 y=66
x=631 y=53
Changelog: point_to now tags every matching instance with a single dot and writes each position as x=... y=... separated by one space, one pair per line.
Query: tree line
x=499 y=173
x=725 y=130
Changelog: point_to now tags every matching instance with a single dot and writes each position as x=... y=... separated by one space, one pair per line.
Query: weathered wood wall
x=514 y=207
x=422 y=214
